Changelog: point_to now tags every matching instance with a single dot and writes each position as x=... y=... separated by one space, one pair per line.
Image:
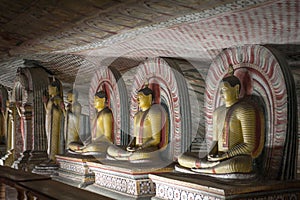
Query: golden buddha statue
x=72 y=119
x=238 y=134
x=147 y=130
x=103 y=131
x=53 y=119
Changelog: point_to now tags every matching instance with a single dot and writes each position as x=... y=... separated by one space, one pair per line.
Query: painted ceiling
x=71 y=37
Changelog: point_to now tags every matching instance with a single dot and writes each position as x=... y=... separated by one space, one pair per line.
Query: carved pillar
x=40 y=82
x=26 y=118
x=25 y=113
x=30 y=85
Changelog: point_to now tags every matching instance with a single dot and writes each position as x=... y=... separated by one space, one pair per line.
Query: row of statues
x=147 y=126
x=238 y=130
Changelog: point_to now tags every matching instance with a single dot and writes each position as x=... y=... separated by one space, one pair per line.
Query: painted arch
x=265 y=75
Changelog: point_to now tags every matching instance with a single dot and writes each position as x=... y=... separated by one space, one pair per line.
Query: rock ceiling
x=68 y=36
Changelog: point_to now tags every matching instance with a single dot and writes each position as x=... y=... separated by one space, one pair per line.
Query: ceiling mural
x=68 y=37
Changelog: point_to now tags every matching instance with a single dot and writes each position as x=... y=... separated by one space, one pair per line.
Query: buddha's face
x=99 y=103
x=144 y=100
x=52 y=90
x=70 y=97
x=228 y=93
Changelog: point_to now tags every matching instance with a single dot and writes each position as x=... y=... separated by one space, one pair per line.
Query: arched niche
x=109 y=79
x=30 y=86
x=266 y=75
x=171 y=92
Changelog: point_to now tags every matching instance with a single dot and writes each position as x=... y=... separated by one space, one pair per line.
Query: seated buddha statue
x=238 y=134
x=72 y=119
x=147 y=130
x=103 y=128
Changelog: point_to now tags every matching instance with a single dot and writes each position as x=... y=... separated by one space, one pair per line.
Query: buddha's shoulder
x=155 y=108
x=247 y=103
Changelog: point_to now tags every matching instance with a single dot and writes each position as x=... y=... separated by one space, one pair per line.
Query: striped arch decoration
x=170 y=90
x=109 y=80
x=261 y=75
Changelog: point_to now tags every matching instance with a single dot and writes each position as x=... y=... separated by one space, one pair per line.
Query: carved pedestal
x=196 y=187
x=36 y=157
x=46 y=169
x=74 y=171
x=130 y=179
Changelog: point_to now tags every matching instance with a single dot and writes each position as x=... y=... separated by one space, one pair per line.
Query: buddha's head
x=100 y=100
x=144 y=98
x=230 y=87
x=72 y=96
x=54 y=88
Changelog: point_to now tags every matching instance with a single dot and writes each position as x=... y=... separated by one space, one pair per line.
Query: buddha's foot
x=205 y=164
x=122 y=158
x=204 y=170
x=72 y=151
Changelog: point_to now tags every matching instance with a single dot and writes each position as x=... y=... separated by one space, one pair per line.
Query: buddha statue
x=72 y=119
x=147 y=130
x=103 y=128
x=53 y=119
x=238 y=134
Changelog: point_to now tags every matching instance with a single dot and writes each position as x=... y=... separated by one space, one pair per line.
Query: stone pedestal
x=74 y=171
x=46 y=168
x=130 y=179
x=36 y=157
x=196 y=187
